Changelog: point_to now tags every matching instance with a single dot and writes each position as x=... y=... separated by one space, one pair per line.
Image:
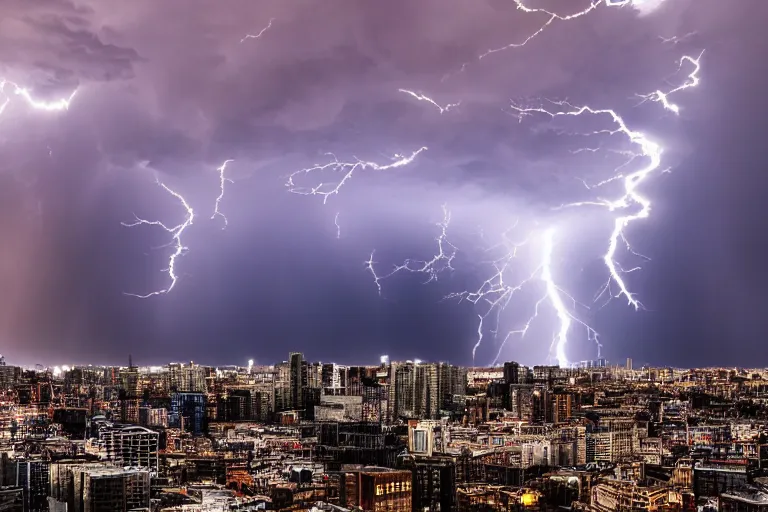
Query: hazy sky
x=170 y=90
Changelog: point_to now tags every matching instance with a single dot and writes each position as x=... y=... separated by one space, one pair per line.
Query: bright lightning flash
x=429 y=100
x=347 y=169
x=692 y=81
x=222 y=181
x=259 y=34
x=495 y=293
x=178 y=246
x=26 y=95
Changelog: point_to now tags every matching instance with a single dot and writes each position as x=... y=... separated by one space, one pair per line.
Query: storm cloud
x=170 y=90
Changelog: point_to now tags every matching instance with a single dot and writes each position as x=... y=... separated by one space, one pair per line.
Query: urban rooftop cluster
x=397 y=436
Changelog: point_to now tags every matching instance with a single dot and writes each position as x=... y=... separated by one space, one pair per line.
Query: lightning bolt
x=26 y=95
x=429 y=100
x=338 y=227
x=551 y=18
x=692 y=81
x=625 y=207
x=222 y=181
x=346 y=169
x=178 y=246
x=259 y=34
x=441 y=262
x=553 y=293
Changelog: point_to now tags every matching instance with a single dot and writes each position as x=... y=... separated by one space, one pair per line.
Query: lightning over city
x=469 y=181
x=629 y=206
x=253 y=251
x=176 y=243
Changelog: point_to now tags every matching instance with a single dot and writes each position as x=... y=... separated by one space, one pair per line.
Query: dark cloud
x=168 y=90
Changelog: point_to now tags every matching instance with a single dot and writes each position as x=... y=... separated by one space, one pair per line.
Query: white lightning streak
x=553 y=293
x=369 y=265
x=442 y=261
x=326 y=190
x=176 y=232
x=631 y=196
x=692 y=81
x=429 y=100
x=338 y=227
x=552 y=18
x=222 y=181
x=26 y=95
x=261 y=32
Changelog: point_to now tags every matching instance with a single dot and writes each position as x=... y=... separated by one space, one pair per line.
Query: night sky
x=170 y=90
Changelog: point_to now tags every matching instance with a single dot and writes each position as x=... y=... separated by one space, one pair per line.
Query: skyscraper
x=298 y=379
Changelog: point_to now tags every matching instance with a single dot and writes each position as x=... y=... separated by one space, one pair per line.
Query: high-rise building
x=34 y=477
x=521 y=401
x=110 y=488
x=129 y=445
x=298 y=379
x=511 y=372
x=562 y=407
x=188 y=412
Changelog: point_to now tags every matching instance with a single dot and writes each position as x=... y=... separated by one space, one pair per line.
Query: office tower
x=562 y=407
x=427 y=399
x=186 y=378
x=511 y=372
x=452 y=382
x=110 y=488
x=298 y=379
x=629 y=363
x=34 y=477
x=188 y=412
x=130 y=445
x=521 y=401
x=404 y=390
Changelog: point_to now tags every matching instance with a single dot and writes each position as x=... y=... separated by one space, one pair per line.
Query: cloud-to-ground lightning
x=553 y=294
x=422 y=97
x=222 y=181
x=26 y=95
x=258 y=34
x=178 y=246
x=543 y=242
x=346 y=169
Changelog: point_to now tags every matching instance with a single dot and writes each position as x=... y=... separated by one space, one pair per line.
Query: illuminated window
x=379 y=490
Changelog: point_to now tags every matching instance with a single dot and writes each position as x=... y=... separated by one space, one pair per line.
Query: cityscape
x=396 y=436
x=391 y=256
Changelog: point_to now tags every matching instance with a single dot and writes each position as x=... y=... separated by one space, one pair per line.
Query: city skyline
x=444 y=136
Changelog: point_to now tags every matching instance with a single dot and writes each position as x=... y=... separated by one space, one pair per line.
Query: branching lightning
x=429 y=100
x=26 y=95
x=692 y=81
x=338 y=227
x=222 y=181
x=346 y=169
x=176 y=232
x=629 y=205
x=259 y=34
x=442 y=260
